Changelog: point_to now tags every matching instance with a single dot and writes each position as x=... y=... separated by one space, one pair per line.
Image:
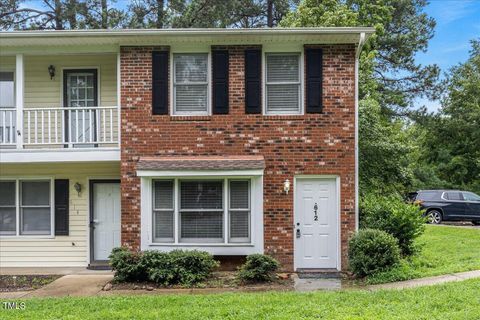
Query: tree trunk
x=72 y=14
x=269 y=13
x=104 y=14
x=58 y=15
x=160 y=14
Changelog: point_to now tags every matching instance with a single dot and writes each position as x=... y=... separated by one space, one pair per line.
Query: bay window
x=29 y=203
x=206 y=211
x=283 y=83
x=190 y=84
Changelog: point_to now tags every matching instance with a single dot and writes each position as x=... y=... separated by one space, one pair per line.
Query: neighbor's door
x=80 y=95
x=316 y=224
x=105 y=219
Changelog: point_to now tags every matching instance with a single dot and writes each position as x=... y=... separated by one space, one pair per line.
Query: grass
x=444 y=250
x=452 y=301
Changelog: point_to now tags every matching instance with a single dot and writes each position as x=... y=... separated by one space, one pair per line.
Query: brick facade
x=319 y=144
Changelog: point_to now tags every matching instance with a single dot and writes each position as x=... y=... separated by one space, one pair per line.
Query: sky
x=458 y=22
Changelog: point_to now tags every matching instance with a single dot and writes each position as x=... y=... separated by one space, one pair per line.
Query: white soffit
x=169 y=36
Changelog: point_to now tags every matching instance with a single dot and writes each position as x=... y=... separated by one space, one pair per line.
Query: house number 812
x=315 y=216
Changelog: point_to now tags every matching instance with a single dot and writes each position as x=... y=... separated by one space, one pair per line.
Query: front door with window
x=8 y=135
x=80 y=95
x=105 y=218
x=316 y=224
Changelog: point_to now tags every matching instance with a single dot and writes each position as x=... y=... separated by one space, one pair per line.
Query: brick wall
x=321 y=144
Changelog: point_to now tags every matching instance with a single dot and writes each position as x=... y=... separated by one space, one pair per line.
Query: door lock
x=297 y=233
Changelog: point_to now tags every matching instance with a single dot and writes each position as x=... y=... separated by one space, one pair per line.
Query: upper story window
x=283 y=83
x=190 y=84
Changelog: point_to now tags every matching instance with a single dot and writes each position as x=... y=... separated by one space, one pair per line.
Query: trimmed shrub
x=126 y=265
x=180 y=267
x=391 y=214
x=258 y=267
x=371 y=251
x=165 y=268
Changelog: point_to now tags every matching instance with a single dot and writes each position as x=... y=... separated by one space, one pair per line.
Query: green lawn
x=444 y=249
x=460 y=300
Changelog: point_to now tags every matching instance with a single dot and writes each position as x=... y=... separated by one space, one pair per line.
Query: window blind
x=163 y=211
x=35 y=210
x=283 y=83
x=190 y=83
x=7 y=208
x=239 y=211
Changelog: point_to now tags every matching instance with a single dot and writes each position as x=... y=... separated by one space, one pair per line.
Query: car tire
x=434 y=217
x=477 y=223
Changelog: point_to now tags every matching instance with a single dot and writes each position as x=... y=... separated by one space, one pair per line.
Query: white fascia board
x=45 y=156
x=198 y=173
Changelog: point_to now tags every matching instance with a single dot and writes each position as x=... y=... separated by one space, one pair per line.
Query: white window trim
x=256 y=244
x=274 y=51
x=17 y=234
x=172 y=84
x=225 y=212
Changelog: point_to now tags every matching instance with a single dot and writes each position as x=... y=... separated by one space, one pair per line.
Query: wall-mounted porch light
x=286 y=186
x=78 y=188
x=51 y=71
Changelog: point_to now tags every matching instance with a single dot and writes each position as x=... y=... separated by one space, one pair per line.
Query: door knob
x=297 y=233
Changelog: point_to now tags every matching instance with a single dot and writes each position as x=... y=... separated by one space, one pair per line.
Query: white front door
x=316 y=224
x=106 y=219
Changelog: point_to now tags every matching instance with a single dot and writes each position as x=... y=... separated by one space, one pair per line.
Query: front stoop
x=319 y=274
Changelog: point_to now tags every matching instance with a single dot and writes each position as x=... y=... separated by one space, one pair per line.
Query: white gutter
x=185 y=32
x=361 y=42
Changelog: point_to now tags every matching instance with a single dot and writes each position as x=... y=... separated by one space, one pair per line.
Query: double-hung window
x=32 y=209
x=283 y=83
x=201 y=209
x=190 y=84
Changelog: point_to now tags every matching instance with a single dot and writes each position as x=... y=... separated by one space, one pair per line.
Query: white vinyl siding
x=55 y=251
x=283 y=83
x=203 y=208
x=190 y=84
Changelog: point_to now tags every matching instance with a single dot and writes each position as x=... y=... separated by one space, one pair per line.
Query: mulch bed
x=25 y=282
x=219 y=280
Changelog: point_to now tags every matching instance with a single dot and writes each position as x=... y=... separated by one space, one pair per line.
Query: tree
x=451 y=145
x=389 y=71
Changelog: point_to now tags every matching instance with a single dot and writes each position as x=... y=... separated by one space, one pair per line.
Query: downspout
x=361 y=42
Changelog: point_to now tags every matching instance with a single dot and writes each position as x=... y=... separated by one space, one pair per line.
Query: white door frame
x=339 y=226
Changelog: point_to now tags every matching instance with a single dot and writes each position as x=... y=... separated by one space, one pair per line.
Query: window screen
x=163 y=211
x=201 y=211
x=190 y=83
x=283 y=84
x=35 y=211
x=239 y=211
x=7 y=208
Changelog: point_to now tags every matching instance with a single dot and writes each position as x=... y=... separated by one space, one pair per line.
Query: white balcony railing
x=76 y=127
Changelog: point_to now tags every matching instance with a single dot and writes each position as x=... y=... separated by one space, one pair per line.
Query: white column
x=19 y=91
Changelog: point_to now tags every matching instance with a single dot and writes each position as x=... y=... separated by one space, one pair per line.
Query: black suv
x=448 y=205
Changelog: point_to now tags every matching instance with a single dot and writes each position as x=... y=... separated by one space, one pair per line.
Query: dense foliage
x=165 y=268
x=391 y=214
x=372 y=251
x=258 y=267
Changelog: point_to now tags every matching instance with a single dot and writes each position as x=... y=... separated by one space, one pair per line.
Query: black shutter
x=61 y=207
x=220 y=65
x=253 y=74
x=314 y=80
x=160 y=82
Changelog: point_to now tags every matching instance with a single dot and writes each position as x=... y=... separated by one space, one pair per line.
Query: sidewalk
x=92 y=284
x=427 y=281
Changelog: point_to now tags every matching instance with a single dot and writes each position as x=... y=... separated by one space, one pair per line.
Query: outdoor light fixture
x=51 y=71
x=78 y=188
x=286 y=186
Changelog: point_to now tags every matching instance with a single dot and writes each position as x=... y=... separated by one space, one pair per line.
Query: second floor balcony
x=57 y=107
